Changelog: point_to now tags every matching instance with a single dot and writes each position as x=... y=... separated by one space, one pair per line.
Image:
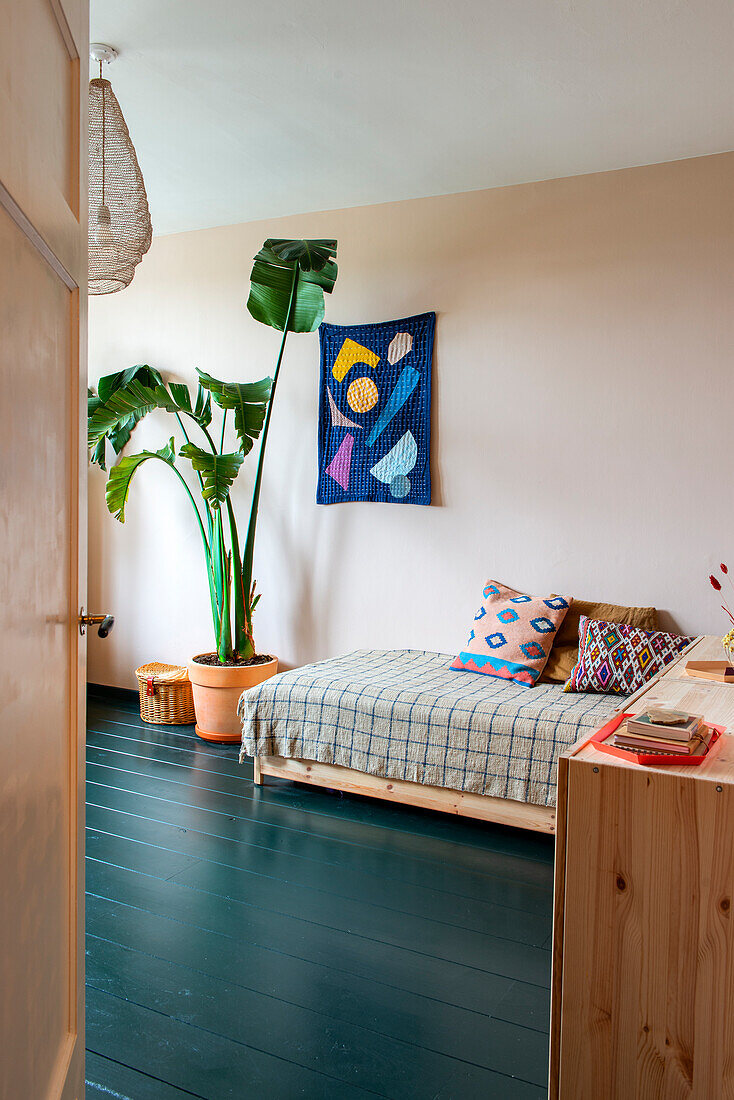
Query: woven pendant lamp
x=119 y=220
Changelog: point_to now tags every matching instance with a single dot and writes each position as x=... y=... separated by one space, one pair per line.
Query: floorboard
x=286 y=942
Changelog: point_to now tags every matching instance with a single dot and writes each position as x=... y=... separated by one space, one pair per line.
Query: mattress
x=405 y=714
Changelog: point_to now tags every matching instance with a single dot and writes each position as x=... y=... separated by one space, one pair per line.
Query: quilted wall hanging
x=375 y=411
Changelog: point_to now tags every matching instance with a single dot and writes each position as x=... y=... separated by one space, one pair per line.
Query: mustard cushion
x=565 y=651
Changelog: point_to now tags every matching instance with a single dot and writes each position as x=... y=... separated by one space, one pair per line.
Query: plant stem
x=210 y=440
x=201 y=479
x=206 y=433
x=182 y=479
x=221 y=574
x=207 y=547
x=250 y=542
x=224 y=638
x=181 y=426
x=241 y=640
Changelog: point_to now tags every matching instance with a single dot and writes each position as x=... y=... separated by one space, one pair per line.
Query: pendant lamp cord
x=103 y=98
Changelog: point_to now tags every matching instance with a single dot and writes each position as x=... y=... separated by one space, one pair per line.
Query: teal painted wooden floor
x=283 y=942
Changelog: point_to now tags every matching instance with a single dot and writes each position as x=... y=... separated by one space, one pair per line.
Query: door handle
x=105 y=622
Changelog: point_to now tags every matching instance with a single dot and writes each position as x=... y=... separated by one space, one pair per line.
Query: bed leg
x=257 y=775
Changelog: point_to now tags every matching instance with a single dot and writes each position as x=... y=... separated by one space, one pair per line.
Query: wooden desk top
x=714 y=700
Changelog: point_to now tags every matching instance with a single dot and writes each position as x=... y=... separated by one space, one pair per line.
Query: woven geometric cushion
x=617 y=659
x=512 y=634
x=565 y=651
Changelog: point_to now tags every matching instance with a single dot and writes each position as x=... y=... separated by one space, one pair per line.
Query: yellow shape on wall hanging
x=362 y=395
x=350 y=353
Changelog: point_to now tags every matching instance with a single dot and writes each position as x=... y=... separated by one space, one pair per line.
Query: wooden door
x=43 y=241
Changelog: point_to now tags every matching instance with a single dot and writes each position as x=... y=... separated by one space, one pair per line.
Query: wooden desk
x=643 y=953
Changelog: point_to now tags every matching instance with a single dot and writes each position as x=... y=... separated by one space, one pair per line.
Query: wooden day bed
x=402 y=726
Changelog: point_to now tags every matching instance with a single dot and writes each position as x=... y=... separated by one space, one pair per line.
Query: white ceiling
x=244 y=110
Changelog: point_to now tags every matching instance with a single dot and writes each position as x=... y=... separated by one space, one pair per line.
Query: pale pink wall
x=583 y=409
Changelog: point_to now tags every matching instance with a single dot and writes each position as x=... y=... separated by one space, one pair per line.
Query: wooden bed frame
x=503 y=811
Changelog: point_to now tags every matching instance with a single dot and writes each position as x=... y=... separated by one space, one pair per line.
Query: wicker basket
x=165 y=694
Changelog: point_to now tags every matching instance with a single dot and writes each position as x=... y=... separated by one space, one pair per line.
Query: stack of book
x=663 y=731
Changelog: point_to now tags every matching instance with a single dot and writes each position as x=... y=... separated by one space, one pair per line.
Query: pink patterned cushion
x=512 y=634
x=617 y=659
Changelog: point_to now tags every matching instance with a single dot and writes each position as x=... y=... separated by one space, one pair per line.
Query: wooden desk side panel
x=648 y=967
x=559 y=894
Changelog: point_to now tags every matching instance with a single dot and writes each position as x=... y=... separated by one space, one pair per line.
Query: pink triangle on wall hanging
x=340 y=466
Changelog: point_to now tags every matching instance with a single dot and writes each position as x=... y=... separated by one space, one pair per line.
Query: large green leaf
x=98 y=454
x=202 y=409
x=130 y=403
x=120 y=433
x=121 y=475
x=218 y=472
x=310 y=255
x=143 y=373
x=249 y=401
x=126 y=406
x=271 y=283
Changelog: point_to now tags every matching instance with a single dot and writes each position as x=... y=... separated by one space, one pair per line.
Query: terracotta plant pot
x=217 y=689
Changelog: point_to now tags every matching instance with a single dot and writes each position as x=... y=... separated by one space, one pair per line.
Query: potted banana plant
x=287 y=286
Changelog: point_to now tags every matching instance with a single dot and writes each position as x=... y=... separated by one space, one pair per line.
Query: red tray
x=651 y=759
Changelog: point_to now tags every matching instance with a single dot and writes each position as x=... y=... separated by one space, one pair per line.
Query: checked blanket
x=405 y=714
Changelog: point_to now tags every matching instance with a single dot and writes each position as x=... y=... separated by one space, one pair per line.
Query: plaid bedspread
x=404 y=714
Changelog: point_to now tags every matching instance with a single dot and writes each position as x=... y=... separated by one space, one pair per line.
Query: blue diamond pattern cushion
x=617 y=659
x=512 y=634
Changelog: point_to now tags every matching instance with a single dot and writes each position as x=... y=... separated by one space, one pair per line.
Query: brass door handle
x=106 y=622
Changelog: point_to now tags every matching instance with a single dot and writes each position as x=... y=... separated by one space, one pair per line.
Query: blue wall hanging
x=375 y=411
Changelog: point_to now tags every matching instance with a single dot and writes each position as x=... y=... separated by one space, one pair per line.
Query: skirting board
x=503 y=811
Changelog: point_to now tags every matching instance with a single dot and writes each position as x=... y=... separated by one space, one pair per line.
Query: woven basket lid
x=166 y=674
